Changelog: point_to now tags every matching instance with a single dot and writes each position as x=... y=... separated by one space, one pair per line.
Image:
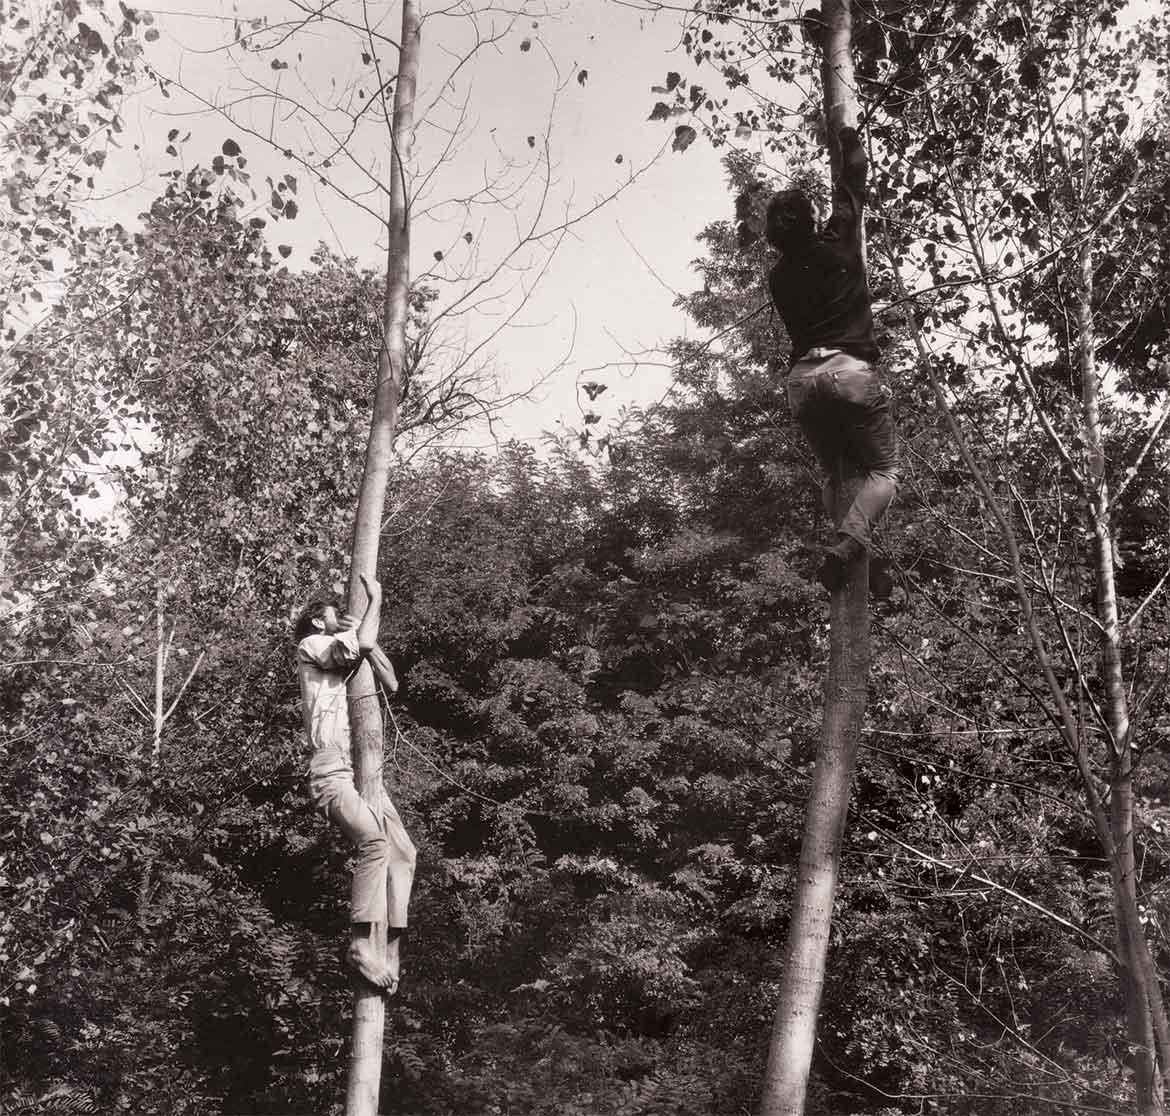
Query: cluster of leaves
x=1016 y=163
x=612 y=678
x=63 y=82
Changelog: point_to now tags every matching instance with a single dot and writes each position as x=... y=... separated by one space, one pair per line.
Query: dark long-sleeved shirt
x=819 y=287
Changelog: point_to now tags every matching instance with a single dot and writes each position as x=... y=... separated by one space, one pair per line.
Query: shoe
x=881 y=581
x=836 y=560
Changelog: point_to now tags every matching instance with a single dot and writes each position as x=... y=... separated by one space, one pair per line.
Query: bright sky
x=609 y=289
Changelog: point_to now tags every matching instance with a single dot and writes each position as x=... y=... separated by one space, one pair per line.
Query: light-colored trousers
x=384 y=872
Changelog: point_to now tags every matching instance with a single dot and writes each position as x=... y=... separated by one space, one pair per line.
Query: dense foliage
x=612 y=678
x=612 y=682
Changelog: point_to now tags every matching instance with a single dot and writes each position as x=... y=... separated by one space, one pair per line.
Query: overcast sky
x=610 y=287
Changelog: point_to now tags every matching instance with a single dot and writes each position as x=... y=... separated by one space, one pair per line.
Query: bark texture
x=794 y=1029
x=365 y=714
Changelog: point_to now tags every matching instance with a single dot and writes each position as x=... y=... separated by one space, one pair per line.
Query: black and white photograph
x=585 y=558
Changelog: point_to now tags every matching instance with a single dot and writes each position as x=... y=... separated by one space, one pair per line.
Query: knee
x=399 y=850
x=375 y=848
x=884 y=467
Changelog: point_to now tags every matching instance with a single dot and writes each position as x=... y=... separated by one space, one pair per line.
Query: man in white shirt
x=329 y=647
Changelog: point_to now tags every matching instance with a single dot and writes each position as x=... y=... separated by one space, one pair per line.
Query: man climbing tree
x=369 y=1009
x=850 y=413
x=820 y=290
x=329 y=649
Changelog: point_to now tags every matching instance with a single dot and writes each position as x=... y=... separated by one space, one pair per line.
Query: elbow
x=366 y=645
x=853 y=175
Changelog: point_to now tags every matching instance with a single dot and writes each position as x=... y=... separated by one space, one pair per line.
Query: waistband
x=820 y=354
x=329 y=760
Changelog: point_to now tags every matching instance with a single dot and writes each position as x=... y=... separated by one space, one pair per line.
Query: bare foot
x=393 y=954
x=361 y=957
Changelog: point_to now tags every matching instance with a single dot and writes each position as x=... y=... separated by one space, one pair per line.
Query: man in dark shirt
x=820 y=290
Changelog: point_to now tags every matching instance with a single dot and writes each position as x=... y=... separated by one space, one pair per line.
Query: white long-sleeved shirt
x=323 y=664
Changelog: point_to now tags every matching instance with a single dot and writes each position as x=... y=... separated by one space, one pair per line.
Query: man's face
x=796 y=215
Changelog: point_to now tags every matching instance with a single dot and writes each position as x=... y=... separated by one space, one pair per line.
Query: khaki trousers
x=384 y=872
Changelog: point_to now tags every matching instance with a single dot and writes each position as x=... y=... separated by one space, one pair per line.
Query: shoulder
x=313 y=649
x=328 y=651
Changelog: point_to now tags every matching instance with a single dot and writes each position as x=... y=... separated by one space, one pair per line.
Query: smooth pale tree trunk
x=1145 y=1010
x=162 y=713
x=1144 y=1005
x=794 y=1030
x=365 y=714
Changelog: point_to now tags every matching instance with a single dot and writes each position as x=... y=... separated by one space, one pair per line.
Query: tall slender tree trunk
x=1145 y=1010
x=794 y=1030
x=1144 y=1005
x=369 y=1006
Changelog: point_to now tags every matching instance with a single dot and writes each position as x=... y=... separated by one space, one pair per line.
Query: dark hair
x=315 y=610
x=789 y=211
